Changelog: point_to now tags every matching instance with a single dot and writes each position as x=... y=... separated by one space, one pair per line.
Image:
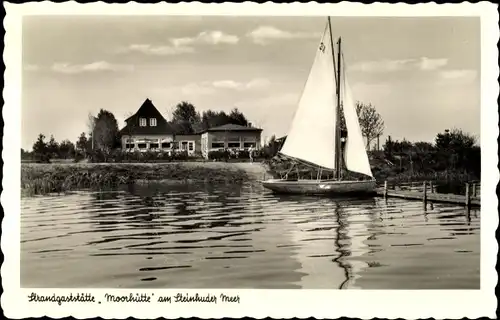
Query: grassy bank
x=381 y=168
x=49 y=178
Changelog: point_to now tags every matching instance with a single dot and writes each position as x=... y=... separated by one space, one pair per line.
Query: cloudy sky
x=422 y=74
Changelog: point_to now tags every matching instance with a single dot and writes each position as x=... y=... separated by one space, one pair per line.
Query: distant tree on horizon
x=106 y=134
x=40 y=150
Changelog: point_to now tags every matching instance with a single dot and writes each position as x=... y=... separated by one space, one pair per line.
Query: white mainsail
x=355 y=156
x=312 y=134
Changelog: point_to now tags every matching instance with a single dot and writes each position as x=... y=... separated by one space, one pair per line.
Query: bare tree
x=91 y=122
x=370 y=121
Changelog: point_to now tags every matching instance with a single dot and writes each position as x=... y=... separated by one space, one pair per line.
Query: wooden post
x=385 y=189
x=474 y=193
x=431 y=186
x=424 y=198
x=467 y=195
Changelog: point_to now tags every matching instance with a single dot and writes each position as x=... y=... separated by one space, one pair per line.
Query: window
x=166 y=145
x=142 y=122
x=184 y=145
x=191 y=146
x=129 y=146
x=233 y=145
x=154 y=146
x=152 y=122
x=249 y=144
x=216 y=145
x=141 y=145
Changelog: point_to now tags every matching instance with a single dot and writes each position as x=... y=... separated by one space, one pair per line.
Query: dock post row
x=429 y=193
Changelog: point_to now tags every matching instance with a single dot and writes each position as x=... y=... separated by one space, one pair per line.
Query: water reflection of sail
x=352 y=232
x=314 y=234
x=357 y=232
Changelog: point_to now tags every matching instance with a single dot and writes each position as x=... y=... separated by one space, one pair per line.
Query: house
x=230 y=136
x=148 y=130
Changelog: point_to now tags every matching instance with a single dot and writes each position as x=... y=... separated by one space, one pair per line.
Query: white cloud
x=159 y=50
x=206 y=37
x=265 y=34
x=216 y=37
x=196 y=89
x=210 y=87
x=432 y=64
x=91 y=67
x=258 y=83
x=423 y=63
x=183 y=45
x=457 y=76
x=227 y=84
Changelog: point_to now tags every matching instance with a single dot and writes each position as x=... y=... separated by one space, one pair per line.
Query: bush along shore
x=381 y=168
x=50 y=178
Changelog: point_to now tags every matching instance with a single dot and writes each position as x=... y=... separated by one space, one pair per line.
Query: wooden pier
x=424 y=191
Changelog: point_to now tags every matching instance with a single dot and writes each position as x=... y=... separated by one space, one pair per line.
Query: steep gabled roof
x=232 y=127
x=147 y=110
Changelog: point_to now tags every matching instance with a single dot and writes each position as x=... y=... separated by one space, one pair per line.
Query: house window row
x=233 y=145
x=182 y=145
x=143 y=122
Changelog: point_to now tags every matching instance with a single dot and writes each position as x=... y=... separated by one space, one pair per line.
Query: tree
x=106 y=134
x=91 y=122
x=40 y=149
x=212 y=119
x=185 y=117
x=52 y=147
x=82 y=143
x=66 y=149
x=236 y=117
x=370 y=121
x=457 y=150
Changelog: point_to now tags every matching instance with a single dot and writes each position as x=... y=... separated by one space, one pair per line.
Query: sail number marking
x=322 y=47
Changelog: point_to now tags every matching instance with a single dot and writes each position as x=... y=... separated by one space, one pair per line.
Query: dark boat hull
x=320 y=187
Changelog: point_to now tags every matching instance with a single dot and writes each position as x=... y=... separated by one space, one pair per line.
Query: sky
x=421 y=73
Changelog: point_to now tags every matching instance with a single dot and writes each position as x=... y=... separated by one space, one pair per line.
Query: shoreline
x=39 y=179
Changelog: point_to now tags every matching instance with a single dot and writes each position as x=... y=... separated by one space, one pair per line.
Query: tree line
x=104 y=136
x=453 y=152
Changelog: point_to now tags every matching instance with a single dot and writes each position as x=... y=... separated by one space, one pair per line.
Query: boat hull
x=321 y=187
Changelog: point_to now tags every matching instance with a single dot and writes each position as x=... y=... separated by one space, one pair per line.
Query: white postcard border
x=256 y=303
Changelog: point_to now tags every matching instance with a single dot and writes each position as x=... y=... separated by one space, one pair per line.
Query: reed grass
x=51 y=178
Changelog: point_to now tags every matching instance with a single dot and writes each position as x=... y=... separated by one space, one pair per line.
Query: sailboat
x=314 y=137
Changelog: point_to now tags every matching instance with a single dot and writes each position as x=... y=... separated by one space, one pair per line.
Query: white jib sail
x=356 y=158
x=312 y=133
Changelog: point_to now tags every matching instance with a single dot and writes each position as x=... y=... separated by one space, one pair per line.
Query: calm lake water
x=200 y=236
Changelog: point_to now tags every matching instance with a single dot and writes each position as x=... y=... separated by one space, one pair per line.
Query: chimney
x=249 y=124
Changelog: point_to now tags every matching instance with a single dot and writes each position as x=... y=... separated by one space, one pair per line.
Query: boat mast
x=337 y=113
